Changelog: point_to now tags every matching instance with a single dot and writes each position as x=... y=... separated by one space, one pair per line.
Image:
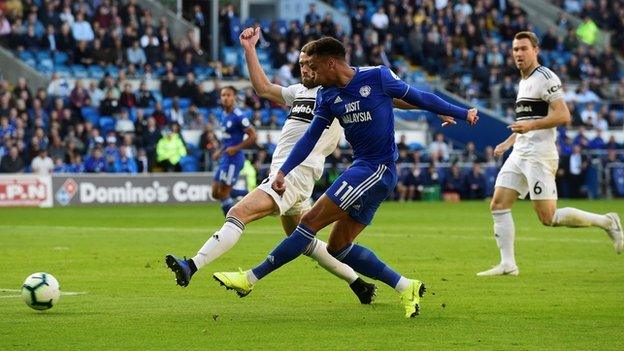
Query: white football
x=41 y=291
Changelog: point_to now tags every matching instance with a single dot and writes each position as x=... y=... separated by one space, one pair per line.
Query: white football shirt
x=302 y=102
x=535 y=93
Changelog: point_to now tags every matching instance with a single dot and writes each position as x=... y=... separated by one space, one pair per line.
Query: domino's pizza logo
x=365 y=91
x=66 y=192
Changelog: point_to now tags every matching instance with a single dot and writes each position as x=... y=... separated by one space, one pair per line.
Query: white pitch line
x=403 y=232
x=63 y=293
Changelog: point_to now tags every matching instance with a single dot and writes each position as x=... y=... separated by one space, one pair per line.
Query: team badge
x=365 y=91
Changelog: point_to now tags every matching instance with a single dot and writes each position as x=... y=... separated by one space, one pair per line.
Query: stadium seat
x=90 y=114
x=42 y=55
x=107 y=124
x=167 y=103
x=189 y=164
x=60 y=58
x=96 y=72
x=25 y=55
x=185 y=103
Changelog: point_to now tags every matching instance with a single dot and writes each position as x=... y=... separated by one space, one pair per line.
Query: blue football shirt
x=364 y=109
x=233 y=126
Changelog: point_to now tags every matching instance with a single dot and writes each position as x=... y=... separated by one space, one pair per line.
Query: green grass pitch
x=569 y=295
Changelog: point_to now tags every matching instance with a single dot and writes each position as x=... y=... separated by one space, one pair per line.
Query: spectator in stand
x=402 y=145
x=136 y=54
x=453 y=184
x=145 y=98
x=475 y=183
x=12 y=162
x=312 y=18
x=190 y=89
x=95 y=162
x=408 y=184
x=176 y=114
x=42 y=164
x=123 y=123
x=110 y=105
x=125 y=164
x=439 y=148
x=169 y=86
x=169 y=150
x=127 y=98
x=209 y=144
x=81 y=29
x=159 y=115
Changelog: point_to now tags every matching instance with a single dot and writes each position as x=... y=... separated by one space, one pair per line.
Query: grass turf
x=569 y=294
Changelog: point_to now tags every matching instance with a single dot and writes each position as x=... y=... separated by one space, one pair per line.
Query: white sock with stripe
x=219 y=243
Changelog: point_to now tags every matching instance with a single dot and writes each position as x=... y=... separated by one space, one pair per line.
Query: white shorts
x=296 y=197
x=535 y=177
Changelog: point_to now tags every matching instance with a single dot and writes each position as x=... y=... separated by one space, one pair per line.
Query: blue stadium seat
x=60 y=58
x=185 y=103
x=96 y=72
x=91 y=114
x=25 y=55
x=107 y=124
x=80 y=71
x=167 y=103
x=42 y=55
x=62 y=71
x=189 y=164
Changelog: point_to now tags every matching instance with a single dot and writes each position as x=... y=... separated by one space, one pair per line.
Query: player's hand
x=521 y=127
x=231 y=150
x=500 y=149
x=278 y=183
x=472 y=117
x=447 y=121
x=249 y=37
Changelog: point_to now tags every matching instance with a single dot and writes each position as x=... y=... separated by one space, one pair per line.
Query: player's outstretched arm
x=558 y=114
x=402 y=105
x=393 y=86
x=260 y=82
x=300 y=151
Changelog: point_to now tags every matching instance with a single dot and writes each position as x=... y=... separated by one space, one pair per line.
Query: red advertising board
x=25 y=190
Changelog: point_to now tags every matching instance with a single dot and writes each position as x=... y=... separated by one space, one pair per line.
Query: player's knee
x=237 y=211
x=498 y=205
x=546 y=217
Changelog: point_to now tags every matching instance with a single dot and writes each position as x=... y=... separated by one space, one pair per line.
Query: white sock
x=318 y=251
x=573 y=217
x=221 y=242
x=505 y=233
x=402 y=284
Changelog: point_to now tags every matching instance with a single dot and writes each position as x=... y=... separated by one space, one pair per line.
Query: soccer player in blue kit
x=234 y=125
x=361 y=99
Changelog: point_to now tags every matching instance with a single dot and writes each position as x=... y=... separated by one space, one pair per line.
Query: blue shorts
x=229 y=169
x=362 y=188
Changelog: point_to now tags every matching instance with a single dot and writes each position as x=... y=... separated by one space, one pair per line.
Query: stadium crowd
x=108 y=125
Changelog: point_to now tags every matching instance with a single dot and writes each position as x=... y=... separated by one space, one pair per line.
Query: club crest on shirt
x=365 y=91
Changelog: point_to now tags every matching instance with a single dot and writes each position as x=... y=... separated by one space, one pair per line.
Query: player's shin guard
x=289 y=249
x=365 y=262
